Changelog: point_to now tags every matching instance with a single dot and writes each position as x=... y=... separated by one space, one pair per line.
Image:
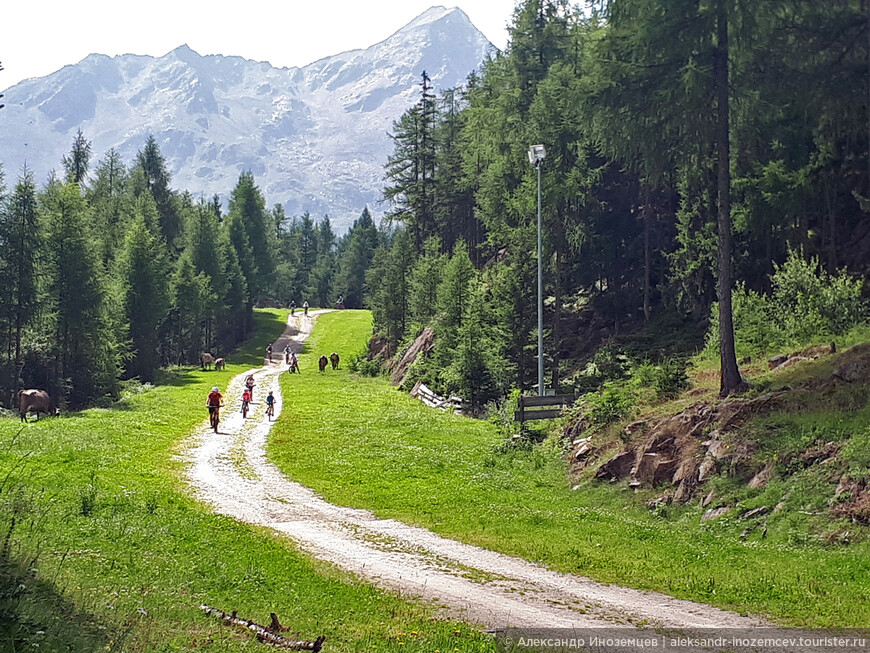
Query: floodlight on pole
x=536 y=157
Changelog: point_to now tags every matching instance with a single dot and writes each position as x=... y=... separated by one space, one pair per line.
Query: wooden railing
x=540 y=407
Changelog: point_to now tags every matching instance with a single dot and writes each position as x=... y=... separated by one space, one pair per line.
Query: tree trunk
x=731 y=381
x=646 y=254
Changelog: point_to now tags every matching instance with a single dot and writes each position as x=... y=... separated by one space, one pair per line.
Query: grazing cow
x=37 y=401
x=334 y=359
x=322 y=362
x=206 y=360
x=219 y=364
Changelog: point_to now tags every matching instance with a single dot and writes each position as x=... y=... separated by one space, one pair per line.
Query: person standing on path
x=305 y=308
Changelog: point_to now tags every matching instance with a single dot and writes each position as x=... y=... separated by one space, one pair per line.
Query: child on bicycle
x=246 y=400
x=270 y=404
x=213 y=402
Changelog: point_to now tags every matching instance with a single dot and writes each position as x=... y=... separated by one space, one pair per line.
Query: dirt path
x=230 y=471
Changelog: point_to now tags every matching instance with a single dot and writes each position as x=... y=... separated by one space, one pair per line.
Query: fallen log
x=263 y=633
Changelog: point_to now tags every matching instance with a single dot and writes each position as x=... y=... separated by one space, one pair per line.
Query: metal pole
x=540 y=296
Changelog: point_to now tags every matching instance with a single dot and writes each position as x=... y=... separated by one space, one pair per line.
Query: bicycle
x=244 y=409
x=214 y=417
x=270 y=410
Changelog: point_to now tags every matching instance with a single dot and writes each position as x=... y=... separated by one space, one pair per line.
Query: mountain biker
x=305 y=308
x=269 y=353
x=292 y=308
x=246 y=400
x=214 y=402
x=294 y=362
x=270 y=404
x=249 y=384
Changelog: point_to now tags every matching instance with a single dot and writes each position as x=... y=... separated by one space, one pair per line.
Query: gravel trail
x=229 y=471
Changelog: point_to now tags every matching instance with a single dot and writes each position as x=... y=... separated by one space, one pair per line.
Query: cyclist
x=246 y=401
x=269 y=353
x=305 y=308
x=270 y=404
x=294 y=362
x=249 y=384
x=214 y=405
x=287 y=354
x=292 y=308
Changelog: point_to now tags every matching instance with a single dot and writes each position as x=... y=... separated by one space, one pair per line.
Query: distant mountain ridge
x=315 y=138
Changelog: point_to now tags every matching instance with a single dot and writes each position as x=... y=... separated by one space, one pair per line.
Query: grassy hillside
x=104 y=549
x=360 y=442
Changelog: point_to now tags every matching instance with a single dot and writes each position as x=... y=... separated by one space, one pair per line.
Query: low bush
x=807 y=303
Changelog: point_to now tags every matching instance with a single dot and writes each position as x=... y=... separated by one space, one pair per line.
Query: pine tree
x=248 y=208
x=78 y=322
x=76 y=163
x=143 y=271
x=18 y=267
x=154 y=175
x=355 y=260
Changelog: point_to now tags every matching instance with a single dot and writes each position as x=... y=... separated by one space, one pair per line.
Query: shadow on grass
x=33 y=614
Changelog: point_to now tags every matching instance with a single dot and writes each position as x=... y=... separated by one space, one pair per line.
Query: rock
x=706 y=467
x=818 y=351
x=793 y=360
x=714 y=513
x=635 y=428
x=617 y=467
x=582 y=451
x=706 y=501
x=646 y=468
x=852 y=371
x=664 y=471
x=755 y=512
x=775 y=361
x=684 y=491
x=779 y=506
x=761 y=478
x=422 y=345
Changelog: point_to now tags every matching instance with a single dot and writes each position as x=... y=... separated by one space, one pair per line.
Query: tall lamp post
x=536 y=157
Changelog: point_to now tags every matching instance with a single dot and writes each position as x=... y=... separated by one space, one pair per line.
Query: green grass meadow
x=360 y=442
x=103 y=548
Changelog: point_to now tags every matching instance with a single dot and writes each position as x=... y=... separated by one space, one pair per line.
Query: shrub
x=613 y=403
x=670 y=378
x=360 y=363
x=807 y=303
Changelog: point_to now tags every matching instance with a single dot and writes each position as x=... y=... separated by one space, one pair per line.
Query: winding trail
x=229 y=470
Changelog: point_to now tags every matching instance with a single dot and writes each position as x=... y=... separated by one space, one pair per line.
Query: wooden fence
x=532 y=408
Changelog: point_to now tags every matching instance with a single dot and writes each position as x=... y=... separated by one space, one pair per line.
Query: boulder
x=853 y=371
x=706 y=501
x=422 y=345
x=617 y=467
x=714 y=513
x=775 y=361
x=761 y=478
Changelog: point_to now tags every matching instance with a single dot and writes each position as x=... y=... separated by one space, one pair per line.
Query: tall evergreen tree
x=78 y=322
x=76 y=163
x=144 y=274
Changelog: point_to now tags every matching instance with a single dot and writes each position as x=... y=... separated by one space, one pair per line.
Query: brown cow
x=322 y=362
x=219 y=364
x=206 y=360
x=37 y=401
x=334 y=359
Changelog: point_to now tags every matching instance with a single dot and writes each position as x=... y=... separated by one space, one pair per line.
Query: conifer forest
x=707 y=171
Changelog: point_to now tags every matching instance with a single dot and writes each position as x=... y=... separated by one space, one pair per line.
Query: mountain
x=315 y=138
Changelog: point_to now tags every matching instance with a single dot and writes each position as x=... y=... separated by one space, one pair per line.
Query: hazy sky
x=41 y=36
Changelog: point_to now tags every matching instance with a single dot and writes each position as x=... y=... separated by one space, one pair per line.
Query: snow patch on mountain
x=315 y=138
